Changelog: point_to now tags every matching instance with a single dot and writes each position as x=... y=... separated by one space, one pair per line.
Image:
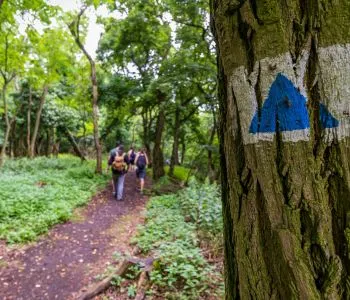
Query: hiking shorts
x=141 y=173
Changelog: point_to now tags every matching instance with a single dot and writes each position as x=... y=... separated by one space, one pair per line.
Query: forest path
x=72 y=254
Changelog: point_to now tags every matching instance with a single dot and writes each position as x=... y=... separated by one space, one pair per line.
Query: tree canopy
x=154 y=86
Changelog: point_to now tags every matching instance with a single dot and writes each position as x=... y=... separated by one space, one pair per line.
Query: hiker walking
x=132 y=156
x=111 y=157
x=141 y=162
x=119 y=163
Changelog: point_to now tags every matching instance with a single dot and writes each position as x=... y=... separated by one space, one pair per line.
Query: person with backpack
x=111 y=156
x=141 y=162
x=132 y=156
x=119 y=163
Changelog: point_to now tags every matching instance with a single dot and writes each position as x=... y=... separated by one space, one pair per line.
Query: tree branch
x=74 y=29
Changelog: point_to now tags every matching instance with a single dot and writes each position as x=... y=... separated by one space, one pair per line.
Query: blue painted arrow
x=326 y=119
x=285 y=110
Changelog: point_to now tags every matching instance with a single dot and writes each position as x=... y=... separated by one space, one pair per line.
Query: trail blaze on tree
x=286 y=191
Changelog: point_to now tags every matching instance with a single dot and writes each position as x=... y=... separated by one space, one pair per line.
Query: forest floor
x=68 y=258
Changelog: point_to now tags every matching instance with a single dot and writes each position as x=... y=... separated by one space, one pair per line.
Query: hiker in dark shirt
x=141 y=162
x=132 y=156
x=119 y=163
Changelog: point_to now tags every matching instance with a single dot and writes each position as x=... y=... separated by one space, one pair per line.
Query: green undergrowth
x=36 y=194
x=180 y=173
x=173 y=234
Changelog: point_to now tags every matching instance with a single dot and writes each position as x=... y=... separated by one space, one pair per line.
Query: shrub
x=202 y=204
x=180 y=270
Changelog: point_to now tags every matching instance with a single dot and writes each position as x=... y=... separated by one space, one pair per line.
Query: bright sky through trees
x=94 y=29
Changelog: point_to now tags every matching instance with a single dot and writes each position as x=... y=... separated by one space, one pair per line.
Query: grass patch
x=180 y=173
x=36 y=194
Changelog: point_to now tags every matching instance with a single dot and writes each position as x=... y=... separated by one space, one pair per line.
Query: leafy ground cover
x=36 y=194
x=180 y=173
x=175 y=229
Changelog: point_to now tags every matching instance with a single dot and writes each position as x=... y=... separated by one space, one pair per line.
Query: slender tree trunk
x=37 y=121
x=146 y=134
x=49 y=142
x=7 y=128
x=158 y=160
x=175 y=152
x=95 y=118
x=74 y=144
x=29 y=111
x=13 y=140
x=183 y=150
x=38 y=146
x=284 y=142
x=21 y=149
x=74 y=29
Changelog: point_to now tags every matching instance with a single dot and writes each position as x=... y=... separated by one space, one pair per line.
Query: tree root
x=124 y=266
x=142 y=286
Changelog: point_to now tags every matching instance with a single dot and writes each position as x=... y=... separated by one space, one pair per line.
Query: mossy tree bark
x=286 y=195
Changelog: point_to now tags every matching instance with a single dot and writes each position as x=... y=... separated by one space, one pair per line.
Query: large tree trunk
x=284 y=72
x=37 y=122
x=158 y=160
x=175 y=152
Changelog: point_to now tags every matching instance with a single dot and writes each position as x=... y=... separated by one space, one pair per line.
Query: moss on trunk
x=286 y=202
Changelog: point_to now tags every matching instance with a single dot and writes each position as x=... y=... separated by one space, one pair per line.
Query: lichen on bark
x=286 y=201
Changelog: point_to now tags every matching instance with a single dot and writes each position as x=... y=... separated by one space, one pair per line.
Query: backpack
x=132 y=156
x=141 y=162
x=119 y=164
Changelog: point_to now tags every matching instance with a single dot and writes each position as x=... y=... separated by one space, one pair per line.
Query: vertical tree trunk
x=49 y=142
x=183 y=150
x=7 y=128
x=158 y=160
x=95 y=118
x=21 y=148
x=147 y=123
x=37 y=121
x=38 y=146
x=29 y=111
x=175 y=152
x=74 y=29
x=284 y=141
x=13 y=140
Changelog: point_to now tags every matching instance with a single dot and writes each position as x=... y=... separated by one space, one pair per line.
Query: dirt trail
x=68 y=258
